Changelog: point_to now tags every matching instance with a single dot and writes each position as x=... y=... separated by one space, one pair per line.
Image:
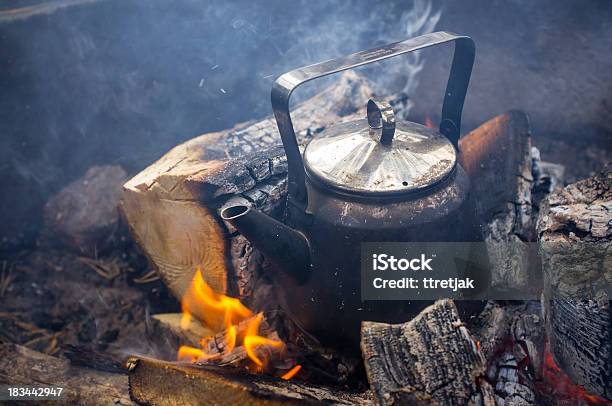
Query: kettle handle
x=456 y=88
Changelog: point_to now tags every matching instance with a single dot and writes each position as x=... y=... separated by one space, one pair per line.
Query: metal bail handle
x=450 y=125
x=381 y=116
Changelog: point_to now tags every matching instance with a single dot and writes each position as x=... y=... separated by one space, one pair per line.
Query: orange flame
x=222 y=313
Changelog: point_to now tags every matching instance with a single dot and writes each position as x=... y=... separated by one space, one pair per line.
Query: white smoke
x=163 y=72
x=350 y=28
x=419 y=20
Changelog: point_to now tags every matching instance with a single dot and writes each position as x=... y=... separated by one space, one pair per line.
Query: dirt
x=52 y=300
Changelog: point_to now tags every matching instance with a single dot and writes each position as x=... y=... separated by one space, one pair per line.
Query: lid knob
x=381 y=116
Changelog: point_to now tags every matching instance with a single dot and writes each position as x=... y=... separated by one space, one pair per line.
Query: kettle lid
x=377 y=156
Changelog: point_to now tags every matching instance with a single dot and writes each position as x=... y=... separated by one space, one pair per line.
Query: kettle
x=375 y=179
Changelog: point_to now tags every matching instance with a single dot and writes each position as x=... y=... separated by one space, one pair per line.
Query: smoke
x=320 y=34
x=175 y=69
x=122 y=81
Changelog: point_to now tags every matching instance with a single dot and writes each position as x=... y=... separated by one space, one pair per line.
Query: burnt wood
x=154 y=382
x=431 y=359
x=575 y=234
x=498 y=157
x=515 y=324
x=511 y=338
x=165 y=335
x=320 y=365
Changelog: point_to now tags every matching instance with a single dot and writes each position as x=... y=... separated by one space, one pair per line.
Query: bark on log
x=165 y=383
x=575 y=234
x=22 y=366
x=430 y=359
x=171 y=206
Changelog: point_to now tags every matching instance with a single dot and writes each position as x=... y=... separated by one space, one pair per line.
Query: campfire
x=240 y=328
x=231 y=269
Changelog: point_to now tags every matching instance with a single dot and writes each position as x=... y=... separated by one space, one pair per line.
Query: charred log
x=431 y=359
x=575 y=234
x=511 y=338
x=157 y=382
x=172 y=206
x=497 y=155
x=514 y=327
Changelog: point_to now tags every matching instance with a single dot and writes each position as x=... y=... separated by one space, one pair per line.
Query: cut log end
x=430 y=359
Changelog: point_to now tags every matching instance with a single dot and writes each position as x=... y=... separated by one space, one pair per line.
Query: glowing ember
x=223 y=313
x=557 y=381
x=291 y=373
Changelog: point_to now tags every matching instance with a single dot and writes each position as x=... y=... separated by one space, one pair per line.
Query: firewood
x=497 y=156
x=491 y=328
x=575 y=235
x=83 y=215
x=157 y=382
x=22 y=366
x=511 y=338
x=165 y=334
x=516 y=323
x=432 y=358
x=172 y=206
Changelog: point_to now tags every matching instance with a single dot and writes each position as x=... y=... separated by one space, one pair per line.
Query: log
x=22 y=366
x=575 y=240
x=431 y=359
x=172 y=206
x=498 y=157
x=165 y=334
x=154 y=382
x=191 y=334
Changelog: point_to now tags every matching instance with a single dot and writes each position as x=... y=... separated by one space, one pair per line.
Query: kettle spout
x=284 y=247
